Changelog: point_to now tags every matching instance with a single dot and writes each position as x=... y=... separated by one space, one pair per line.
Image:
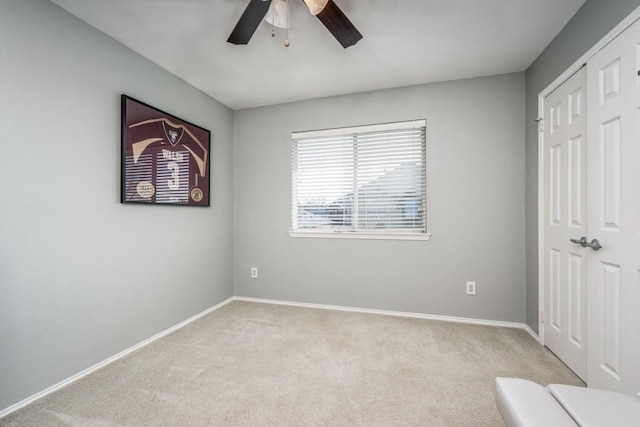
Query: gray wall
x=592 y=22
x=83 y=277
x=475 y=205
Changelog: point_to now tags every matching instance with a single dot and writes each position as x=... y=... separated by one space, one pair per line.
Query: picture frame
x=165 y=159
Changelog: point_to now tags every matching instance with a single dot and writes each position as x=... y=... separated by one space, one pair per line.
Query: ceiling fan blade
x=339 y=25
x=249 y=21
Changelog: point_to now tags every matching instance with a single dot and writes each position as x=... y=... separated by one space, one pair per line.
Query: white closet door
x=613 y=215
x=564 y=217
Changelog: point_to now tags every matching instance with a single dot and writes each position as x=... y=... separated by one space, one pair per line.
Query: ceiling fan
x=326 y=10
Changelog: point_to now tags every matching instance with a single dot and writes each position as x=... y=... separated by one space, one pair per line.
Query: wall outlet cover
x=471 y=288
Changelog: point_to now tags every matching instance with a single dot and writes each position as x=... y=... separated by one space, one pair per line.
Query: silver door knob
x=581 y=241
x=594 y=244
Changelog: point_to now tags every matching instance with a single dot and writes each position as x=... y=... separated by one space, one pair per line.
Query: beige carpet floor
x=252 y=364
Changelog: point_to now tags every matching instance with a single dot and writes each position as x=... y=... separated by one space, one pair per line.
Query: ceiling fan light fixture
x=315 y=6
x=278 y=14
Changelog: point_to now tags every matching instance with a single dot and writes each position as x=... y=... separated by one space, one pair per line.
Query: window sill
x=359 y=235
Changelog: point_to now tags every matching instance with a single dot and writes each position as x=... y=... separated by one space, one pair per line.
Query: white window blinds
x=369 y=179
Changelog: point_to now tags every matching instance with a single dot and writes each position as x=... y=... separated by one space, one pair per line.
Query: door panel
x=609 y=159
x=576 y=183
x=609 y=290
x=564 y=151
x=576 y=297
x=613 y=195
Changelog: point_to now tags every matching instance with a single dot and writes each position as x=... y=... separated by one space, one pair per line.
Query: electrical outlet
x=471 y=288
x=254 y=272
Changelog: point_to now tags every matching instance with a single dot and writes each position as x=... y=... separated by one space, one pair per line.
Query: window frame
x=384 y=234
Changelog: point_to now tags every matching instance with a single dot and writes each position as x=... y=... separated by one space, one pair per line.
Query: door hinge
x=541 y=316
x=540 y=121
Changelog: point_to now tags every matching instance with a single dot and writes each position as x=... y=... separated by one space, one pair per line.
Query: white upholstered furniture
x=523 y=403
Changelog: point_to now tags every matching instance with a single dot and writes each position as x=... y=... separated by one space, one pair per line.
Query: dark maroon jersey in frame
x=165 y=160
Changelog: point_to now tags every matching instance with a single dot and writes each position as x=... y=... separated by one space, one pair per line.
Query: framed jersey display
x=165 y=160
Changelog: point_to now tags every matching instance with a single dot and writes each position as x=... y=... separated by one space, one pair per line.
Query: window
x=366 y=181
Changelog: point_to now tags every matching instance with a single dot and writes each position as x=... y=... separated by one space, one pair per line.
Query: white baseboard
x=395 y=313
x=531 y=332
x=159 y=335
x=108 y=361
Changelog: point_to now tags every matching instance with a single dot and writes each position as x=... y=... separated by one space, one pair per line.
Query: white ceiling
x=405 y=43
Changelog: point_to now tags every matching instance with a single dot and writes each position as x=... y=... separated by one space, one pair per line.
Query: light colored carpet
x=252 y=364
